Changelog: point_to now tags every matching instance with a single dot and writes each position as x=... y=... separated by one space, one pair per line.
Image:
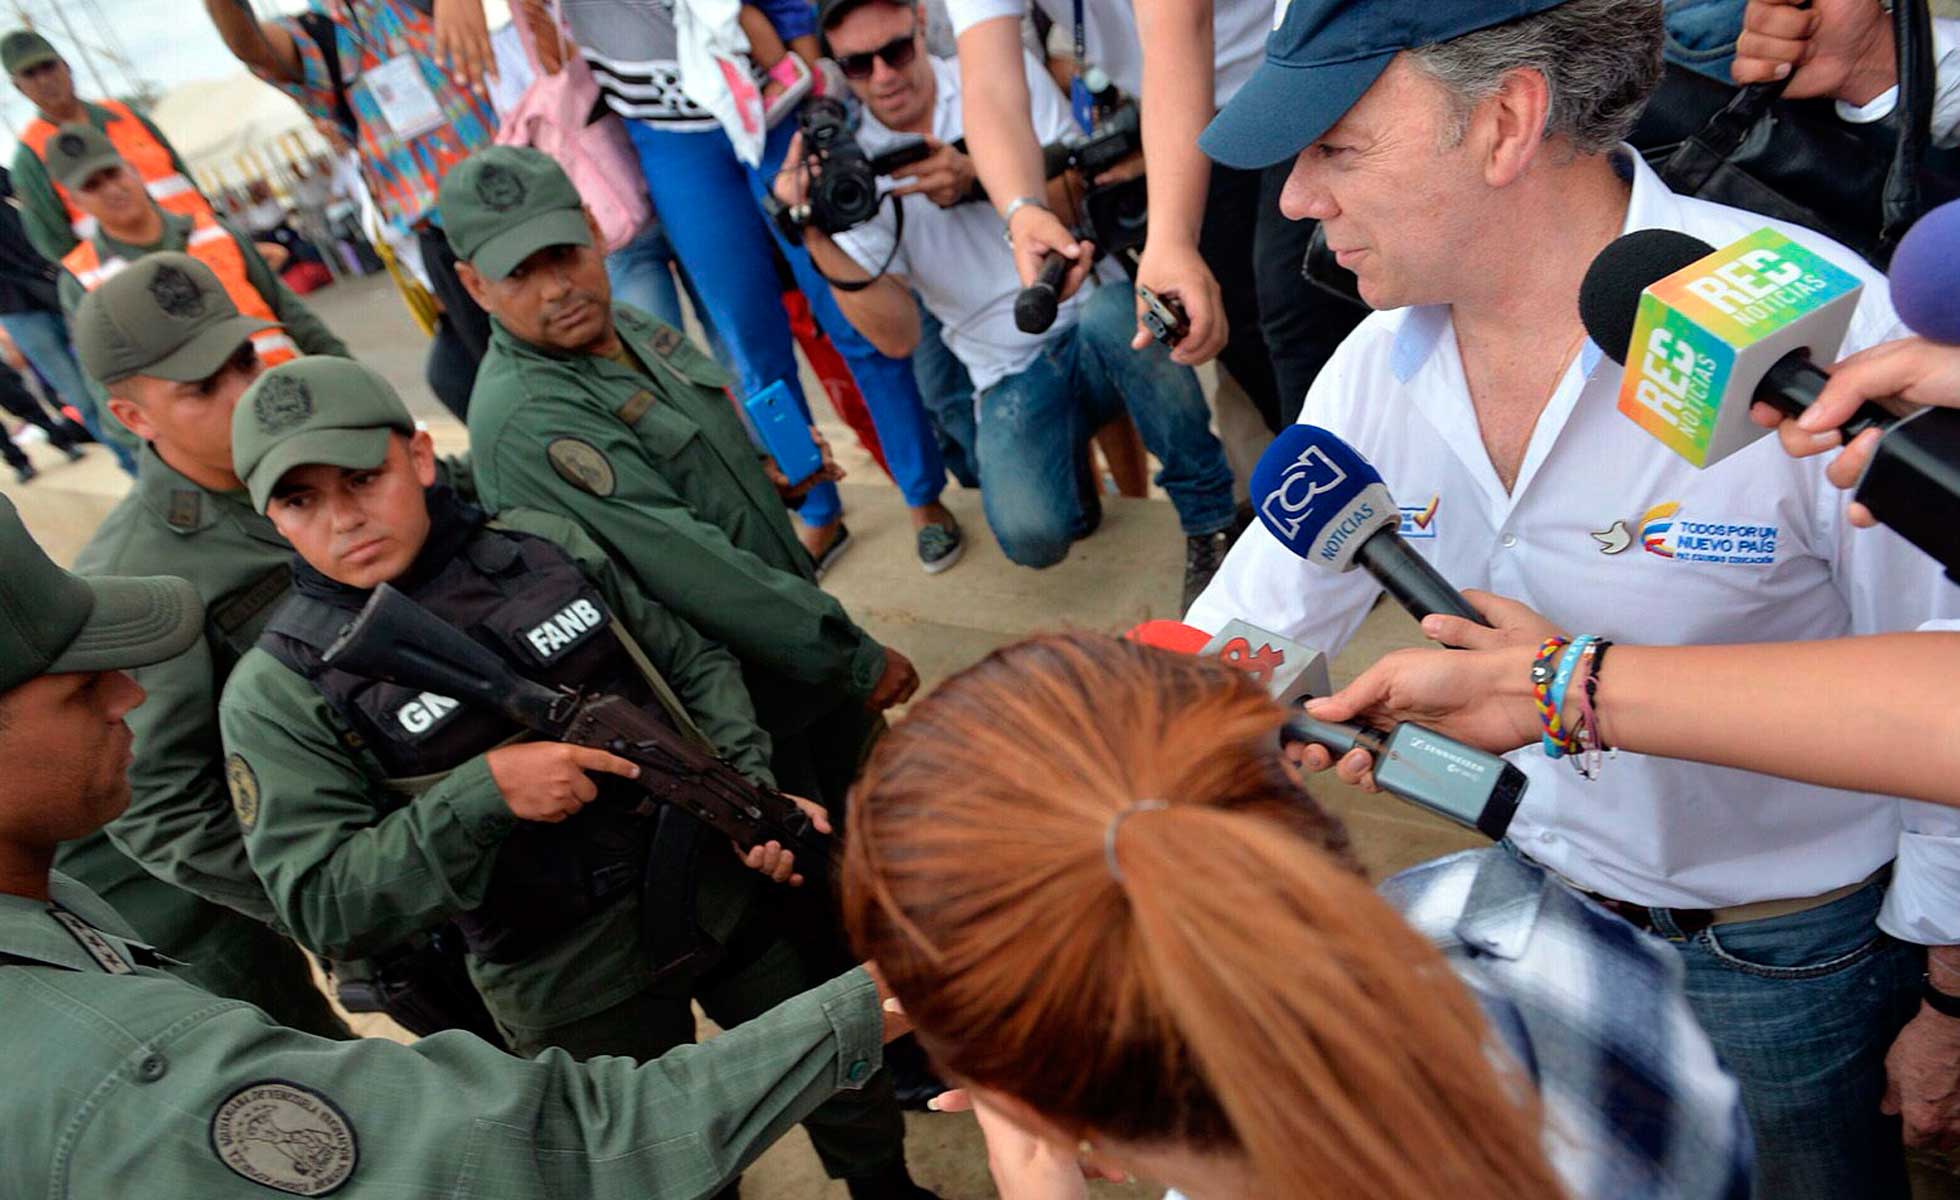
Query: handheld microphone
x=1459 y=783
x=1925 y=275
x=1325 y=503
x=1035 y=307
x=1647 y=295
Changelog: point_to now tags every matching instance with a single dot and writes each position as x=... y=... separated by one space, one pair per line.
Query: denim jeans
x=1701 y=34
x=708 y=202
x=643 y=274
x=43 y=340
x=1035 y=424
x=947 y=391
x=1803 y=1008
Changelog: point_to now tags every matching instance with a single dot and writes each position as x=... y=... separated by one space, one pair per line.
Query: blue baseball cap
x=1322 y=55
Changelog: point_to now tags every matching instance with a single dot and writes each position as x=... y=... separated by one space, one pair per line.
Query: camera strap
x=898 y=237
x=1082 y=105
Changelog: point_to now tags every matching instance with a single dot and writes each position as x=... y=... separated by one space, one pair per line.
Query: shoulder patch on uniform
x=282 y=403
x=286 y=1137
x=92 y=941
x=581 y=464
x=176 y=293
x=244 y=784
x=665 y=340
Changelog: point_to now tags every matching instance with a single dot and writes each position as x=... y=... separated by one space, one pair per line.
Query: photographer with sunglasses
x=1039 y=397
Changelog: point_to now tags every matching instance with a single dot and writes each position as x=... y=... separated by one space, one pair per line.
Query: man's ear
x=474 y=284
x=592 y=224
x=1514 y=126
x=422 y=455
x=131 y=415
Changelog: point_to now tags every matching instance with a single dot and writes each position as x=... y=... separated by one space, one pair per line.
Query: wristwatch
x=1016 y=205
x=1944 y=1003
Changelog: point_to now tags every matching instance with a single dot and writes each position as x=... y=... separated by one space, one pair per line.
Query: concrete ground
x=1128 y=572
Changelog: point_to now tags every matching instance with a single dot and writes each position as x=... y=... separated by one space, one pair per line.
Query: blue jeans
x=1701 y=34
x=947 y=391
x=43 y=340
x=708 y=201
x=1802 y=1009
x=643 y=273
x=1035 y=424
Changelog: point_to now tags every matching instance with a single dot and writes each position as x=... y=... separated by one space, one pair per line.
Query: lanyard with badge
x=397 y=85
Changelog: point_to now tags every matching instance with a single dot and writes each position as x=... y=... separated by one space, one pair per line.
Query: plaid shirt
x=1636 y=1105
x=368 y=33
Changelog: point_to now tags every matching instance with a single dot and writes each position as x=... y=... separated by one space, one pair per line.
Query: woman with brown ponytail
x=1117 y=921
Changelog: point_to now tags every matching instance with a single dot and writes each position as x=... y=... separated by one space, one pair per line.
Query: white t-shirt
x=1238 y=30
x=1595 y=534
x=956 y=258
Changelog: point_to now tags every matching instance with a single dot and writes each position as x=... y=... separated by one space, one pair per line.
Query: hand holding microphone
x=1035 y=307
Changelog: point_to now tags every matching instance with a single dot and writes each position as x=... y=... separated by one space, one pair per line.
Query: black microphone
x=1327 y=504
x=1034 y=308
x=1912 y=485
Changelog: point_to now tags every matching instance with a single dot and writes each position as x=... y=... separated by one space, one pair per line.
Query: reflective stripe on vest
x=213 y=245
x=147 y=156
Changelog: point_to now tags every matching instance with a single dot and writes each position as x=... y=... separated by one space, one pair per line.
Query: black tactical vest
x=526 y=599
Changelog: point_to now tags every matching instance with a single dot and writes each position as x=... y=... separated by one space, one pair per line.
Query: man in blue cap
x=1467 y=162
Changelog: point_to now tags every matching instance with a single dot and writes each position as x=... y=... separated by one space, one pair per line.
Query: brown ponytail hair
x=1239 y=990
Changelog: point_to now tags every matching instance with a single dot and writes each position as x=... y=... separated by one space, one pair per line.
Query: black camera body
x=844 y=188
x=1117 y=213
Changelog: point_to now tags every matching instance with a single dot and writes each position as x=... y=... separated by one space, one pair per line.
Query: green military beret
x=165 y=315
x=23 y=49
x=78 y=151
x=503 y=204
x=53 y=622
x=319 y=409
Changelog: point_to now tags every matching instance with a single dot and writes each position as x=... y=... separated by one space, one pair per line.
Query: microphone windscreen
x=1609 y=297
x=1174 y=636
x=1318 y=496
x=1925 y=275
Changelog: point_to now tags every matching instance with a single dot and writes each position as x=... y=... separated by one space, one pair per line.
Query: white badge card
x=404 y=97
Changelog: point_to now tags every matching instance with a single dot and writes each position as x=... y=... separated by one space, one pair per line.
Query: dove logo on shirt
x=1667 y=531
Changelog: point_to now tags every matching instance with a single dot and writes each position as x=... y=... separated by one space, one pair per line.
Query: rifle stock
x=397 y=640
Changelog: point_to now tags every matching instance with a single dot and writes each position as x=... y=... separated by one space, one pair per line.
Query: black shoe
x=1088 y=488
x=1203 y=555
x=940 y=546
x=893 y=1184
x=25 y=472
x=73 y=451
x=835 y=550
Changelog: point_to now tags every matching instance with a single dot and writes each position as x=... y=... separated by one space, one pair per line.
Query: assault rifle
x=396 y=640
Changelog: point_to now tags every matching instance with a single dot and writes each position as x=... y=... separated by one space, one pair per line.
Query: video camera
x=1117 y=213
x=844 y=179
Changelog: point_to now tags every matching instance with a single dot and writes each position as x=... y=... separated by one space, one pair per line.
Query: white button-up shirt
x=1609 y=532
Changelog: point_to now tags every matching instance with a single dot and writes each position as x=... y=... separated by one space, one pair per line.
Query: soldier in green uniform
x=124 y=1079
x=602 y=414
x=177 y=355
x=373 y=811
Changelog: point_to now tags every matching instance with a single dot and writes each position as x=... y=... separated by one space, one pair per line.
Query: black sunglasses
x=897 y=53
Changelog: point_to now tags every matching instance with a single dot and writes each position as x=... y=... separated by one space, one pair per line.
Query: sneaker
x=940 y=546
x=835 y=550
x=25 y=472
x=1203 y=555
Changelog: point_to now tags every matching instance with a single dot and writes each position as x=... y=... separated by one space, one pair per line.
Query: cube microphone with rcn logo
x=1325 y=503
x=1703 y=333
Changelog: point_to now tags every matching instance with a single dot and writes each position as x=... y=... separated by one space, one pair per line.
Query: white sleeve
x=965 y=14
x=1046 y=104
x=870 y=242
x=1923 y=904
x=1946 y=89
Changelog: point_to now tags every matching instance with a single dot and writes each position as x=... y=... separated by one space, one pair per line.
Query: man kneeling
x=373 y=812
x=1039 y=398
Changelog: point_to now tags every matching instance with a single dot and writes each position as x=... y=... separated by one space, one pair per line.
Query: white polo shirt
x=1238 y=31
x=956 y=258
x=1598 y=534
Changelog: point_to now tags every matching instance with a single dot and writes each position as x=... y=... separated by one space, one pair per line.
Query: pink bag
x=597 y=155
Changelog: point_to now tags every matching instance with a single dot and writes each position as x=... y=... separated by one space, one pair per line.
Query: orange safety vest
x=213 y=245
x=145 y=154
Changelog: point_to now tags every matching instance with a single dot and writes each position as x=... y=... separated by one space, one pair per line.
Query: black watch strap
x=1944 y=1003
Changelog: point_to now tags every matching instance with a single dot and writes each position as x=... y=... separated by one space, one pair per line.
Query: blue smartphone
x=784 y=432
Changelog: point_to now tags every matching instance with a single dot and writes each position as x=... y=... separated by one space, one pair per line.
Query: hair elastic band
x=1116 y=823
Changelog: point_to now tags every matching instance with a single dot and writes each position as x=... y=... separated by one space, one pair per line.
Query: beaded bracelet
x=1561 y=683
x=1542 y=675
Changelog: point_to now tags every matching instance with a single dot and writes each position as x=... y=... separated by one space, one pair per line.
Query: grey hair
x=1601 y=59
